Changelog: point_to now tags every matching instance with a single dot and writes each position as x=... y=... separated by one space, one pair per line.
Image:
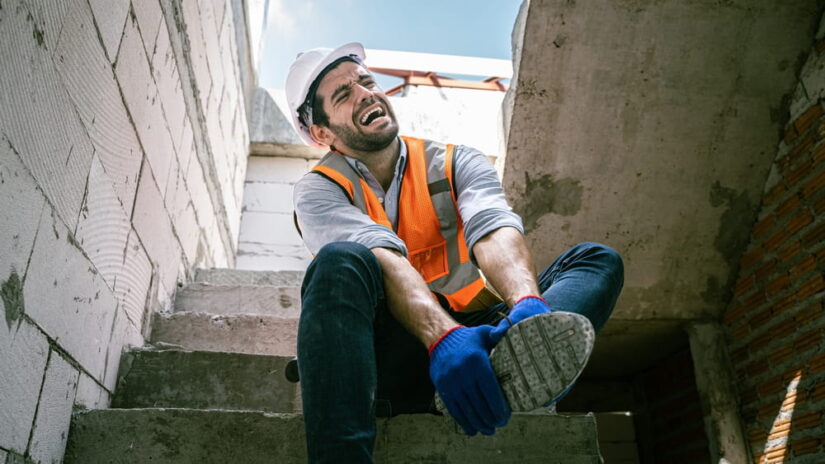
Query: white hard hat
x=303 y=72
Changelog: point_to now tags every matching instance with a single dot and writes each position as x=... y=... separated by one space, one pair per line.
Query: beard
x=360 y=141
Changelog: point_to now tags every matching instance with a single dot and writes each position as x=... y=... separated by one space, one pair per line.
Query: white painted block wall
x=123 y=147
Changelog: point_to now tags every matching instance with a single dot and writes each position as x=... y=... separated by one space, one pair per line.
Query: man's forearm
x=410 y=300
x=503 y=257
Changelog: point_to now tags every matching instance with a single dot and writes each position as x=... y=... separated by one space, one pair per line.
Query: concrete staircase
x=211 y=389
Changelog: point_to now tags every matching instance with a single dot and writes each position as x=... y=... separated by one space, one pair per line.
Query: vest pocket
x=431 y=262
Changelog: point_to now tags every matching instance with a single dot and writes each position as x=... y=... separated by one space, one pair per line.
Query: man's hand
x=527 y=306
x=464 y=379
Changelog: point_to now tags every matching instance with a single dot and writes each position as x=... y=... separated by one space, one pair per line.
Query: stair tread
x=191 y=435
x=239 y=299
x=221 y=276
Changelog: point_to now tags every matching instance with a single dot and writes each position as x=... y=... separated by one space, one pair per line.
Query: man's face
x=360 y=115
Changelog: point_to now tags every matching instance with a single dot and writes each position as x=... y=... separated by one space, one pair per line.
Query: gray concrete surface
x=271 y=132
x=204 y=380
x=216 y=276
x=651 y=127
x=178 y=435
x=239 y=299
x=234 y=333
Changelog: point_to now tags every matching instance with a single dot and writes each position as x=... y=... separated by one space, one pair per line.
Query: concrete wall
x=776 y=320
x=122 y=157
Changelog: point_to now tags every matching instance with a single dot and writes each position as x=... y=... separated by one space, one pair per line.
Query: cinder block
x=148 y=14
x=165 y=72
x=142 y=100
x=25 y=353
x=220 y=7
x=186 y=224
x=204 y=380
x=266 y=257
x=192 y=18
x=201 y=199
x=239 y=299
x=48 y=17
x=270 y=228
x=125 y=335
x=276 y=169
x=17 y=225
x=239 y=333
x=54 y=412
x=151 y=221
x=110 y=16
x=67 y=297
x=132 y=286
x=87 y=75
x=103 y=227
x=90 y=395
x=186 y=145
x=267 y=197
x=37 y=117
x=211 y=46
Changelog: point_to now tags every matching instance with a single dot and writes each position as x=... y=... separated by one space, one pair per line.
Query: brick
x=66 y=296
x=110 y=16
x=54 y=413
x=781 y=355
x=739 y=356
x=783 y=329
x=38 y=119
x=805 y=445
x=770 y=387
x=733 y=314
x=814 y=185
x=817 y=363
x=751 y=258
x=768 y=411
x=799 y=152
x=743 y=285
x=757 y=367
x=788 y=206
x=790 y=134
x=88 y=78
x=820 y=46
x=777 y=285
x=755 y=301
x=103 y=227
x=142 y=100
x=774 y=194
x=814 y=236
x=807 y=340
x=25 y=353
x=812 y=286
x=806 y=265
x=749 y=396
x=807 y=421
x=765 y=270
x=776 y=455
x=811 y=313
x=819 y=153
x=789 y=251
x=740 y=332
x=802 y=219
x=798 y=173
x=774 y=241
x=760 y=319
x=819 y=206
x=764 y=225
x=804 y=121
x=792 y=401
x=784 y=303
x=818 y=393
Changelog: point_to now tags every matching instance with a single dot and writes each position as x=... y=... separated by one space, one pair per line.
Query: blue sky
x=455 y=27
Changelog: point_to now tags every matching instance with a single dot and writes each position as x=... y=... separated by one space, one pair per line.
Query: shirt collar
x=399 y=165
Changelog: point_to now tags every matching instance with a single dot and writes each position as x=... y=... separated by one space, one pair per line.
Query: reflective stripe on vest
x=428 y=220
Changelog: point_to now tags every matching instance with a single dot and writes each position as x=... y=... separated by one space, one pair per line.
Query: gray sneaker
x=539 y=358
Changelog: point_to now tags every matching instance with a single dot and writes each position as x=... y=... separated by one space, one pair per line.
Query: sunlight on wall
x=776 y=446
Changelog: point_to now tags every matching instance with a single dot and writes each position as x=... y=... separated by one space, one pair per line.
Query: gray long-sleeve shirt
x=326 y=215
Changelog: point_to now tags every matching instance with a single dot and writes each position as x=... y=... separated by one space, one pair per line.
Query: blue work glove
x=525 y=307
x=464 y=379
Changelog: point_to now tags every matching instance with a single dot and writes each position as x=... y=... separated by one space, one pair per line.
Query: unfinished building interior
x=151 y=273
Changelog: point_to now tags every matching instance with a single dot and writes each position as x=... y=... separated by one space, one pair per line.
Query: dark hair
x=311 y=110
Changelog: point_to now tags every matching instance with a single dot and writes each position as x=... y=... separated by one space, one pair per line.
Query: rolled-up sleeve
x=481 y=201
x=325 y=215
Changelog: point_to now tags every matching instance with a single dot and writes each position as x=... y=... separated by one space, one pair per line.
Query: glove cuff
x=528 y=297
x=442 y=337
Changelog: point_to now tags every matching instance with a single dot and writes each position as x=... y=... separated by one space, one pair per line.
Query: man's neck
x=381 y=163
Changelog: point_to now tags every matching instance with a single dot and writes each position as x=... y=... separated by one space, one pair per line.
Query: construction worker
x=393 y=305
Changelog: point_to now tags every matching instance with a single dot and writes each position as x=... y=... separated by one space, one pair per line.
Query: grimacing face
x=360 y=115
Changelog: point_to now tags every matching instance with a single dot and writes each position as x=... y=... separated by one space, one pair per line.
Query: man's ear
x=321 y=134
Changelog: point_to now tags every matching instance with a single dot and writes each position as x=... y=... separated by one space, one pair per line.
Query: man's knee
x=606 y=257
x=346 y=263
x=342 y=253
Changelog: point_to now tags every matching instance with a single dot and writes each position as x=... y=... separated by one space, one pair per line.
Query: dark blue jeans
x=354 y=356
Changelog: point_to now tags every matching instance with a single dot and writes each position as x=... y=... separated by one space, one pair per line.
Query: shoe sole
x=539 y=358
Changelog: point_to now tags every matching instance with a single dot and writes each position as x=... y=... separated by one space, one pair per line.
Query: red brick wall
x=775 y=320
x=675 y=427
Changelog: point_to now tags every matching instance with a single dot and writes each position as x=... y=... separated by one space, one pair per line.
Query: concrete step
x=185 y=435
x=218 y=276
x=204 y=380
x=234 y=333
x=199 y=297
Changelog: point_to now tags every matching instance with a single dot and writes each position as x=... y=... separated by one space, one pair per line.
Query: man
x=393 y=305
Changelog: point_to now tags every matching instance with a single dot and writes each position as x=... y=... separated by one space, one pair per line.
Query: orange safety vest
x=428 y=220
